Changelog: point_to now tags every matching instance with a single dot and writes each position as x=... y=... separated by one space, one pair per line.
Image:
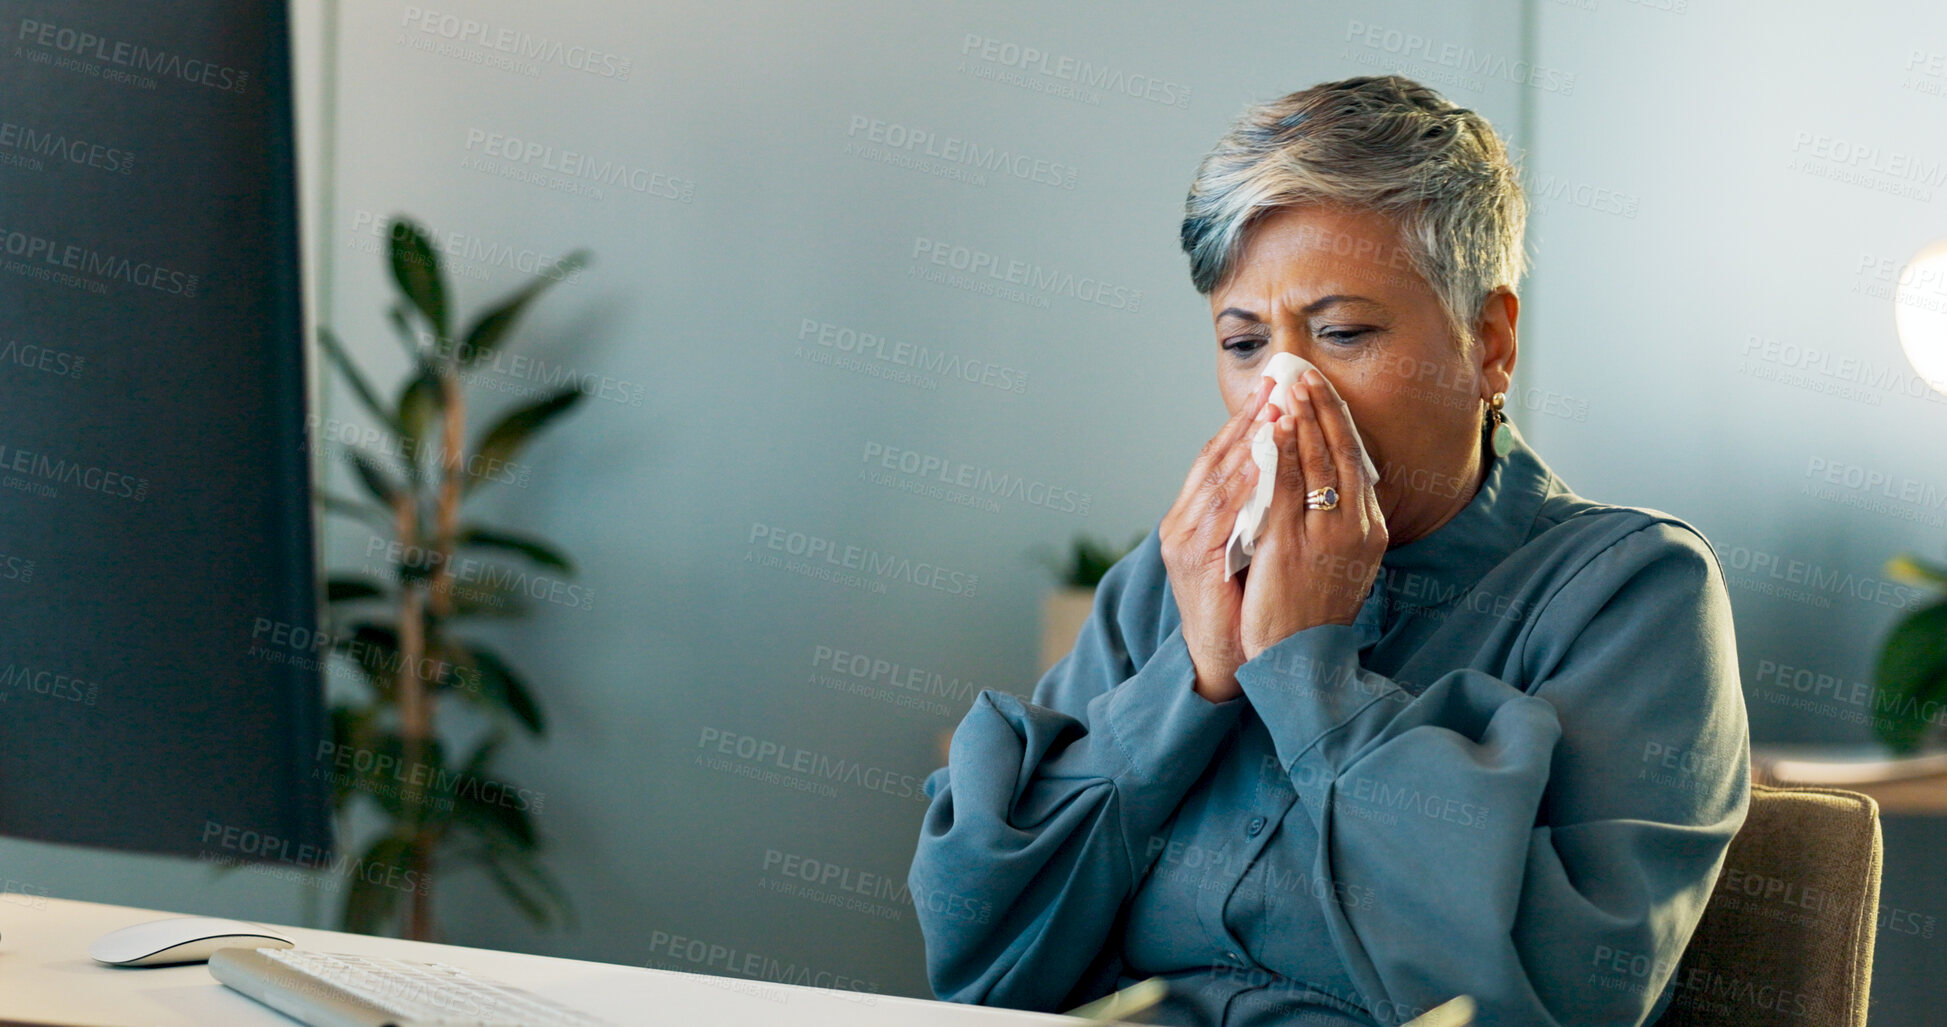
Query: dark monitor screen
x=156 y=564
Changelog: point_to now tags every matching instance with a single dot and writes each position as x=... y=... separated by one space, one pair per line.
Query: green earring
x=1503 y=436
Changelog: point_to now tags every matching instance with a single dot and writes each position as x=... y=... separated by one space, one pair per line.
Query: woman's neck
x=1409 y=533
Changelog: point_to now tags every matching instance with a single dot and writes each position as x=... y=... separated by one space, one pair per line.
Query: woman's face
x=1335 y=287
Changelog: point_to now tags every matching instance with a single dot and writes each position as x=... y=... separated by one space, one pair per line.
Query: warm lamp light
x=1920 y=314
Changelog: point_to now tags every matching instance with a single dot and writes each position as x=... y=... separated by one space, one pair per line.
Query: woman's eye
x=1244 y=345
x=1344 y=336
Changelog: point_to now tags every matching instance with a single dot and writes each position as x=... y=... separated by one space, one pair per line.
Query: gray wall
x=1637 y=382
x=1730 y=336
x=1728 y=332
x=1102 y=393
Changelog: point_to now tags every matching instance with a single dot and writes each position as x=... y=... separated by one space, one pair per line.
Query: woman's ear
x=1496 y=332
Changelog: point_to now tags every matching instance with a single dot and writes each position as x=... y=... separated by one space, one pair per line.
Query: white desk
x=46 y=977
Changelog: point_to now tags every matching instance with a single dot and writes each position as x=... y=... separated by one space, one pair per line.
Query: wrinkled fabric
x=1514 y=777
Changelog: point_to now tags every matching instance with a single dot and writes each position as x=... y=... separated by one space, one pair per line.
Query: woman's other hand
x=1313 y=567
x=1194 y=535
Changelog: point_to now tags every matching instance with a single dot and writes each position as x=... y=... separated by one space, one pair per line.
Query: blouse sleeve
x=1037 y=827
x=1548 y=851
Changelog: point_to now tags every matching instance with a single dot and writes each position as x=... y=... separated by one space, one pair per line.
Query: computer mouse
x=183 y=939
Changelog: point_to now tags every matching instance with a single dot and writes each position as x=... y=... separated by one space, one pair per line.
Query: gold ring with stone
x=1322 y=499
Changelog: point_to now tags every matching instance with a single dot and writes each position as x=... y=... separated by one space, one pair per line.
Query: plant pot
x=1062 y=615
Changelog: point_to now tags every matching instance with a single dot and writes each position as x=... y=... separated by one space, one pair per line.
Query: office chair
x=1787 y=936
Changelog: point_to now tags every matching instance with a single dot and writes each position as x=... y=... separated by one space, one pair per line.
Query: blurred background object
x=889 y=293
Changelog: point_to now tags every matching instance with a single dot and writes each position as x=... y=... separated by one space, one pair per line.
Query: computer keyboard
x=326 y=989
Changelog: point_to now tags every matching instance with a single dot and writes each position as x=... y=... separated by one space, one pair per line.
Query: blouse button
x=1256 y=825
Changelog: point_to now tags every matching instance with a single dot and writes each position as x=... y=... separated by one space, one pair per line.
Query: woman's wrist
x=1216 y=678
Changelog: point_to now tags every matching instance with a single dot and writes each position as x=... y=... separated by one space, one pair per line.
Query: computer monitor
x=156 y=559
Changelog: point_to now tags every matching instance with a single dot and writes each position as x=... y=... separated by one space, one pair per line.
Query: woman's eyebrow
x=1310 y=308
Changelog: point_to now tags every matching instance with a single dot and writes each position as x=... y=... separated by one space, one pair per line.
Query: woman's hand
x=1313 y=567
x=1194 y=536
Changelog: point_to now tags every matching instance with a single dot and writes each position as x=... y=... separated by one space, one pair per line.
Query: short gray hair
x=1384 y=144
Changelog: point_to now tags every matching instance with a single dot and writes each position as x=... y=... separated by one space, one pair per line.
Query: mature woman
x=1455 y=730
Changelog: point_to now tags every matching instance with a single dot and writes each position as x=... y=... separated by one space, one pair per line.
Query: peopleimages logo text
x=525 y=45
x=1464 y=59
x=576 y=165
x=1033 y=60
x=92 y=262
x=89 y=46
x=60 y=470
x=957 y=150
x=1027 y=274
x=59 y=146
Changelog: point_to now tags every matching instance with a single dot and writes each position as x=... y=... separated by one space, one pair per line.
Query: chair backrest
x=1787 y=936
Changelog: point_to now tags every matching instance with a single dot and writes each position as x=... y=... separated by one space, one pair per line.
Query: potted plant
x=411 y=630
x=1077 y=573
x=1910 y=677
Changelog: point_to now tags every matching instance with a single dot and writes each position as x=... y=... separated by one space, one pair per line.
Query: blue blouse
x=1513 y=777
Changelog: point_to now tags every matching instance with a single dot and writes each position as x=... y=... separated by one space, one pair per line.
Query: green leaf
x=1087 y=561
x=349 y=723
x=422 y=784
x=521 y=877
x=419 y=402
x=416 y=790
x=375 y=481
x=487 y=332
x=488 y=599
x=527 y=866
x=504 y=439
x=483 y=754
x=400 y=315
x=415 y=266
x=449 y=667
x=1911 y=672
x=348 y=590
x=531 y=906
x=417 y=563
x=531 y=548
x=374 y=649
x=1914 y=570
x=500 y=825
x=354 y=377
x=346 y=507
x=370 y=904
x=502 y=690
x=350 y=728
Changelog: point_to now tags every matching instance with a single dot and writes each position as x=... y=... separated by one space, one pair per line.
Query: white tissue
x=1284 y=369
